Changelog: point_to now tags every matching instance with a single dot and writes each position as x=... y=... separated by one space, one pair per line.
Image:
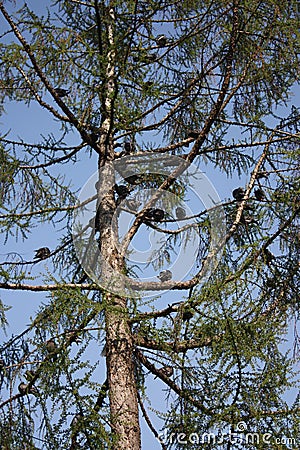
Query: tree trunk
x=121 y=379
x=119 y=343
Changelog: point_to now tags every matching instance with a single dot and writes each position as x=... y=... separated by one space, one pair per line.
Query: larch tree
x=156 y=279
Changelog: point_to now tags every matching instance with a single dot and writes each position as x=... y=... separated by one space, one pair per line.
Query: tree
x=145 y=93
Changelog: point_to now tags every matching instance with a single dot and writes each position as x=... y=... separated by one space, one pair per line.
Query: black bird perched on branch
x=151 y=57
x=158 y=214
x=25 y=389
x=62 y=92
x=51 y=348
x=261 y=175
x=155 y=214
x=165 y=275
x=268 y=256
x=161 y=40
x=180 y=212
x=238 y=194
x=167 y=371
x=128 y=147
x=122 y=190
x=187 y=314
x=76 y=420
x=94 y=137
x=193 y=134
x=247 y=219
x=42 y=253
x=259 y=194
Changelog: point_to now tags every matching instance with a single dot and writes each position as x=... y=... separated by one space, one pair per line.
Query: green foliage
x=217 y=92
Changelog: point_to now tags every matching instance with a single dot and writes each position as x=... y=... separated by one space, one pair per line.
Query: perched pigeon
x=122 y=190
x=94 y=137
x=62 y=92
x=187 y=314
x=180 y=213
x=25 y=389
x=128 y=147
x=238 y=194
x=193 y=134
x=76 y=420
x=51 y=348
x=155 y=214
x=42 y=253
x=259 y=194
x=165 y=275
x=167 y=371
x=161 y=40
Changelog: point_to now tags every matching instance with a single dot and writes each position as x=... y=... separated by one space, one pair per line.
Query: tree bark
x=122 y=387
x=121 y=379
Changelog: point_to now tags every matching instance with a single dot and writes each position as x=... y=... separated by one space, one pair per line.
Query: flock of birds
x=28 y=388
x=153 y=214
x=239 y=194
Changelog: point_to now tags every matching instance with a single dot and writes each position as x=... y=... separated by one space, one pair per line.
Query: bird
x=151 y=57
x=51 y=348
x=147 y=84
x=154 y=214
x=42 y=253
x=259 y=194
x=180 y=213
x=267 y=256
x=167 y=371
x=25 y=389
x=76 y=420
x=61 y=92
x=158 y=214
x=165 y=275
x=161 y=40
x=122 y=190
x=247 y=219
x=73 y=336
x=261 y=175
x=128 y=147
x=238 y=194
x=94 y=137
x=187 y=314
x=193 y=134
